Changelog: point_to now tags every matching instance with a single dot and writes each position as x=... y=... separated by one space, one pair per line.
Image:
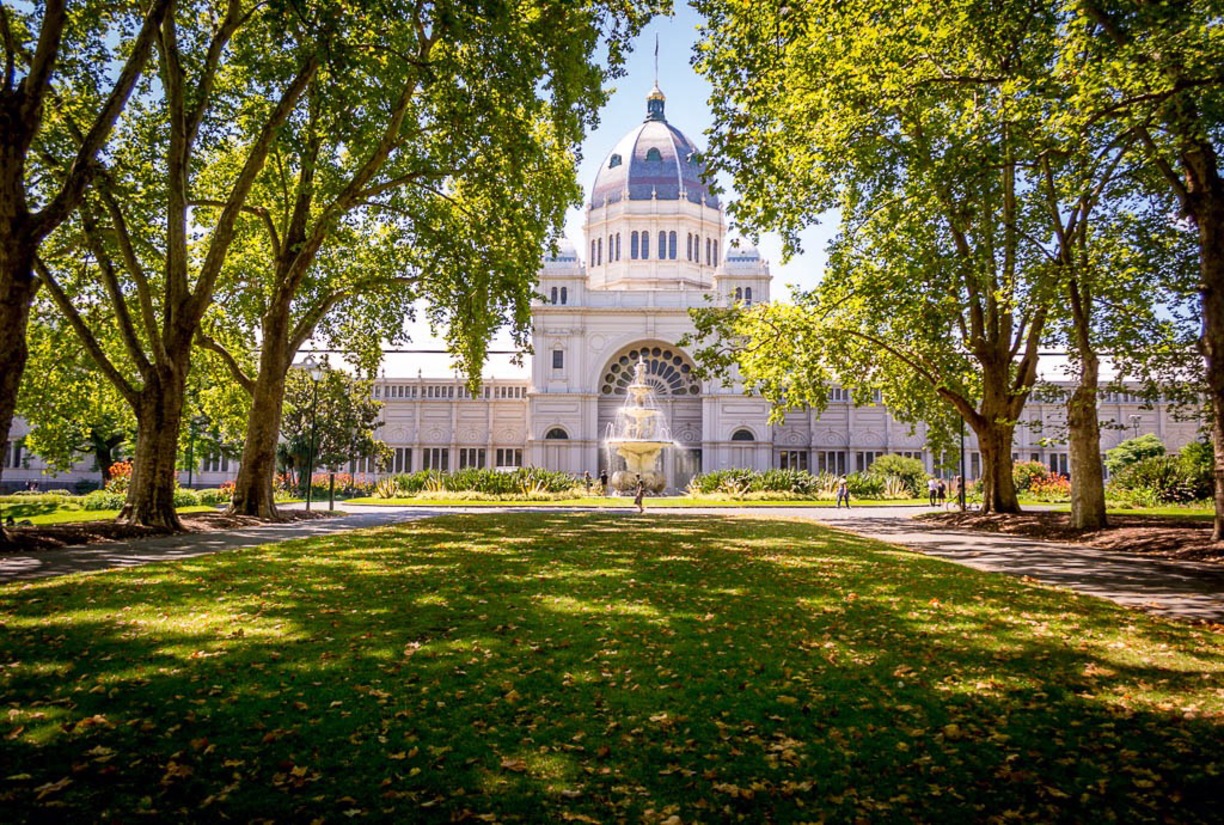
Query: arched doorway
x=669 y=371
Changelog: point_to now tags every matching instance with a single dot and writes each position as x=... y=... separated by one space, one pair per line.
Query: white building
x=656 y=247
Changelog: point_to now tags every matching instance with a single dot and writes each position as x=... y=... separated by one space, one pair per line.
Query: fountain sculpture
x=638 y=435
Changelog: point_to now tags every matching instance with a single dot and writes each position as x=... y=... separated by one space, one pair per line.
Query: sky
x=687 y=109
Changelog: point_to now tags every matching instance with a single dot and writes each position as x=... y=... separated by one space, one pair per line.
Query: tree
x=1133 y=450
x=913 y=120
x=448 y=196
x=1155 y=68
x=337 y=427
x=55 y=60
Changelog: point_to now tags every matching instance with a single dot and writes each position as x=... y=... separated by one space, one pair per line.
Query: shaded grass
x=45 y=514
x=1191 y=511
x=591 y=667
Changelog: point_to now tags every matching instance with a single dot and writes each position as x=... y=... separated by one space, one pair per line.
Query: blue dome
x=655 y=160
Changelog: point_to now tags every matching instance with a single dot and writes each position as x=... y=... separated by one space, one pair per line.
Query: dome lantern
x=654 y=105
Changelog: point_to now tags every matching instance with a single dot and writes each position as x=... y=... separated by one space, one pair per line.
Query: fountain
x=638 y=435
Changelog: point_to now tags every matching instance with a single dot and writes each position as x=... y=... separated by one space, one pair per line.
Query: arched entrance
x=669 y=371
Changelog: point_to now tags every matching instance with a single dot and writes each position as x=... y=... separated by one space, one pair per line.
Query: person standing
x=603 y=482
x=932 y=489
x=586 y=480
x=843 y=493
x=941 y=492
x=639 y=494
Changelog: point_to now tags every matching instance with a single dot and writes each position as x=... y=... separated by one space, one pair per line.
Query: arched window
x=565 y=294
x=662 y=247
x=739 y=293
x=707 y=252
x=697 y=248
x=671 y=245
x=599 y=252
x=653 y=155
x=618 y=246
x=688 y=248
x=742 y=434
x=715 y=262
x=645 y=245
x=614 y=161
x=611 y=250
x=633 y=246
x=667 y=371
x=558 y=359
x=747 y=294
x=553 y=296
x=592 y=253
x=556 y=433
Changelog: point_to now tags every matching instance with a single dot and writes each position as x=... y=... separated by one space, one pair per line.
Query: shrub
x=1025 y=472
x=909 y=471
x=185 y=498
x=120 y=477
x=865 y=485
x=1168 y=479
x=85 y=486
x=215 y=497
x=103 y=500
x=523 y=481
x=1132 y=451
x=1050 y=488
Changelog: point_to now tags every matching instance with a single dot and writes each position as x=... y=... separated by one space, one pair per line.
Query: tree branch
x=261 y=212
x=213 y=345
x=132 y=261
x=110 y=280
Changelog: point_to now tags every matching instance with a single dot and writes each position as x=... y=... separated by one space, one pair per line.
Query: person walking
x=932 y=489
x=586 y=480
x=956 y=491
x=639 y=494
x=941 y=492
x=843 y=493
x=603 y=482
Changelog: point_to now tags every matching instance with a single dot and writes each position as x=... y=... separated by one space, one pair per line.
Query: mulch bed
x=1158 y=536
x=53 y=536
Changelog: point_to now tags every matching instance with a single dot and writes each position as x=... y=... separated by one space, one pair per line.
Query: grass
x=42 y=513
x=619 y=502
x=1181 y=511
x=597 y=667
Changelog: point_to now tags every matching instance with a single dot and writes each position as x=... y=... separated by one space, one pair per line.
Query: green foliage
x=338 y=416
x=739 y=481
x=214 y=497
x=865 y=485
x=1169 y=479
x=910 y=471
x=522 y=481
x=1024 y=473
x=1133 y=450
x=186 y=498
x=103 y=500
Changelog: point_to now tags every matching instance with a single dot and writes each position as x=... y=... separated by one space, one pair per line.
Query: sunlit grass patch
x=551 y=665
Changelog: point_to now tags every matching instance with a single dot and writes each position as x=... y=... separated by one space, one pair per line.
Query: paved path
x=1182 y=589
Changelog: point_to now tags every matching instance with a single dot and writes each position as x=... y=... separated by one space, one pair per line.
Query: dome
x=566 y=252
x=655 y=160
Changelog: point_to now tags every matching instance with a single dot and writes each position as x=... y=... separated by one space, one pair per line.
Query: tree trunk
x=1087 y=478
x=1210 y=221
x=998 y=485
x=17 y=289
x=159 y=414
x=253 y=490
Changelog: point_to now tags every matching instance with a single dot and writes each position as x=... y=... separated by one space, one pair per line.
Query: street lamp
x=1134 y=420
x=315 y=371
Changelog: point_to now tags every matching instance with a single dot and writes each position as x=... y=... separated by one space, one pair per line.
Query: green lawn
x=597 y=667
x=46 y=514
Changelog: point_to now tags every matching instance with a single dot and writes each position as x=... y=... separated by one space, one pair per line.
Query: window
x=662 y=247
x=611 y=249
x=715 y=263
x=599 y=252
x=633 y=246
x=831 y=461
x=556 y=434
x=509 y=457
x=671 y=245
x=12 y=454
x=975 y=465
x=911 y=454
x=707 y=251
x=592 y=253
x=564 y=295
x=618 y=246
x=361 y=466
x=473 y=457
x=645 y=245
x=742 y=435
x=839 y=394
x=667 y=372
x=614 y=161
x=436 y=458
x=865 y=459
x=216 y=462
x=793 y=460
x=739 y=293
x=558 y=359
x=653 y=155
x=748 y=295
x=1060 y=464
x=401 y=461
x=688 y=247
x=552 y=299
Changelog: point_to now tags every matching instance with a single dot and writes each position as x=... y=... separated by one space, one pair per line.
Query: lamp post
x=1134 y=420
x=960 y=488
x=315 y=371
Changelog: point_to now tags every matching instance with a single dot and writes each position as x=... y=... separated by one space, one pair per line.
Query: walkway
x=1181 y=589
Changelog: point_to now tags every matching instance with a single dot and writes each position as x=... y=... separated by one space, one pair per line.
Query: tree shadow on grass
x=587 y=665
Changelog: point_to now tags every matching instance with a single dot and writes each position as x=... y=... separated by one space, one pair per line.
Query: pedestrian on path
x=932 y=489
x=941 y=493
x=586 y=480
x=843 y=493
x=603 y=482
x=639 y=494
